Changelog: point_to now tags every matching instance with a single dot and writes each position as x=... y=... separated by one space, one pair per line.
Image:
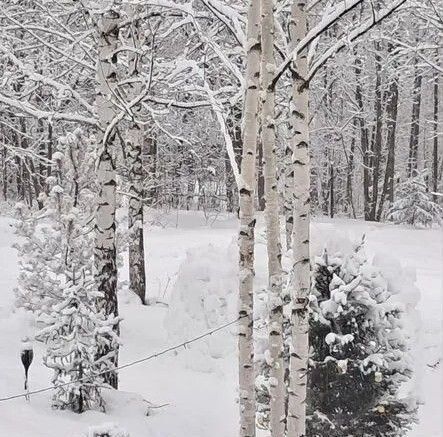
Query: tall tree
x=105 y=226
x=247 y=223
x=272 y=219
x=134 y=143
x=300 y=237
x=435 y=157
x=391 y=126
x=415 y=120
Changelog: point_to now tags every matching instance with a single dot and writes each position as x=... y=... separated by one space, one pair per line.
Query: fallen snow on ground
x=168 y=397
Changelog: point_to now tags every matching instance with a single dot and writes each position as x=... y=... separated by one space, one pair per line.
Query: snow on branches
x=56 y=280
x=414 y=205
x=360 y=351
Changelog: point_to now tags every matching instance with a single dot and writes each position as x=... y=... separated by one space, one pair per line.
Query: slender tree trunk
x=247 y=224
x=364 y=138
x=415 y=122
x=391 y=125
x=229 y=185
x=331 y=190
x=350 y=172
x=272 y=219
x=4 y=173
x=49 y=150
x=233 y=124
x=377 y=140
x=134 y=143
x=27 y=174
x=19 y=179
x=105 y=226
x=151 y=160
x=435 y=142
x=300 y=238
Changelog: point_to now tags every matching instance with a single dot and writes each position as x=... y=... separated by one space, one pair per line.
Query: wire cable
x=130 y=364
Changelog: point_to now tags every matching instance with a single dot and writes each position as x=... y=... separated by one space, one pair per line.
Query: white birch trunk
x=105 y=249
x=135 y=137
x=288 y=193
x=247 y=224
x=300 y=238
x=272 y=219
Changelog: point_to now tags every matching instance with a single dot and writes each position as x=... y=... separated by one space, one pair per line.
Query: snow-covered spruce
x=414 y=205
x=73 y=334
x=56 y=278
x=359 y=360
x=39 y=269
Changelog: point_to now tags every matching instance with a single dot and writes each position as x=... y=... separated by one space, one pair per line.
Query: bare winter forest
x=221 y=218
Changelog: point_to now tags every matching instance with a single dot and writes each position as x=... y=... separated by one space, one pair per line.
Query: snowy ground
x=195 y=403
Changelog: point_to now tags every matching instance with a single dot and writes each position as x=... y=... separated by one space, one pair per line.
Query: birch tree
x=300 y=237
x=105 y=226
x=134 y=142
x=272 y=219
x=247 y=223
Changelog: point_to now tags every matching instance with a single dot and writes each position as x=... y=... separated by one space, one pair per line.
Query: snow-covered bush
x=39 y=259
x=56 y=279
x=73 y=334
x=359 y=360
x=414 y=205
x=204 y=297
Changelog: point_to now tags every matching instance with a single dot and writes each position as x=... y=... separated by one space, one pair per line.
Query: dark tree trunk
x=233 y=123
x=364 y=137
x=391 y=125
x=377 y=137
x=415 y=122
x=435 y=142
x=350 y=173
x=331 y=190
x=4 y=174
x=49 y=150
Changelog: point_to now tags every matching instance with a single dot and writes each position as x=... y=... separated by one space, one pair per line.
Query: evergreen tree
x=359 y=356
x=39 y=248
x=37 y=287
x=414 y=205
x=57 y=282
x=73 y=334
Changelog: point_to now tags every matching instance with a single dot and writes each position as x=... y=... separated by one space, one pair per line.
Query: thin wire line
x=130 y=364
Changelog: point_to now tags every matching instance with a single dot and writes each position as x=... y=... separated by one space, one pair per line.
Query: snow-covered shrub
x=73 y=334
x=56 y=279
x=203 y=298
x=359 y=360
x=414 y=205
x=39 y=259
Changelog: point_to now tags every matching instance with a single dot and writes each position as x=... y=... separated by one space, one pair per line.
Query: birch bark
x=300 y=238
x=135 y=137
x=247 y=224
x=272 y=219
x=105 y=248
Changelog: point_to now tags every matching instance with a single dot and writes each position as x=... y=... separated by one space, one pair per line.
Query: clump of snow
x=204 y=298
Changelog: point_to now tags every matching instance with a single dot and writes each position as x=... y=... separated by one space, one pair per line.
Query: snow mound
x=204 y=298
